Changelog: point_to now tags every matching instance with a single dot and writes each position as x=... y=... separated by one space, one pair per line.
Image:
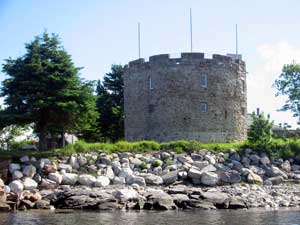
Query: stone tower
x=186 y=98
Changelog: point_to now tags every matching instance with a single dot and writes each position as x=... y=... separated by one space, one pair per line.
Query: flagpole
x=191 y=30
x=139 y=39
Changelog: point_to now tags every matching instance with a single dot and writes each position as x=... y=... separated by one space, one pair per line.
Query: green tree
x=260 y=131
x=110 y=104
x=44 y=88
x=288 y=84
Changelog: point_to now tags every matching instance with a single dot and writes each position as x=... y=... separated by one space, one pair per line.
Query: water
x=219 y=217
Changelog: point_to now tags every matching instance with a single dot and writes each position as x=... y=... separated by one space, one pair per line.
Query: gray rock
x=126 y=194
x=104 y=160
x=47 y=184
x=215 y=197
x=125 y=172
x=235 y=157
x=184 y=159
x=16 y=186
x=246 y=161
x=265 y=160
x=230 y=177
x=170 y=177
x=254 y=160
x=24 y=159
x=136 y=162
x=200 y=164
x=237 y=166
x=37 y=178
x=16 y=175
x=194 y=173
x=209 y=168
x=286 y=166
x=29 y=184
x=159 y=200
x=82 y=160
x=165 y=155
x=209 y=178
x=295 y=167
x=274 y=171
x=65 y=167
x=86 y=179
x=136 y=180
x=13 y=167
x=42 y=204
x=119 y=180
x=152 y=179
x=254 y=178
x=74 y=163
x=210 y=159
x=56 y=177
x=70 y=178
x=29 y=171
x=196 y=157
x=102 y=181
x=274 y=180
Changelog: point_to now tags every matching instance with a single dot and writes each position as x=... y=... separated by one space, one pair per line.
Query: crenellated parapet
x=187 y=58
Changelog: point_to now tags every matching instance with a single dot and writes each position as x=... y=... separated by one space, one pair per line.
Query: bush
x=260 y=132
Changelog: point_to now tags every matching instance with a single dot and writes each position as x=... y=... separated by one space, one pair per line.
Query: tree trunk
x=43 y=139
x=63 y=138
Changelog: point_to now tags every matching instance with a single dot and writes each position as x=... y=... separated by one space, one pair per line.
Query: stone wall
x=163 y=97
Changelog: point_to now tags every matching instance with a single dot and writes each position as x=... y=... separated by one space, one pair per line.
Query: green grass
x=279 y=147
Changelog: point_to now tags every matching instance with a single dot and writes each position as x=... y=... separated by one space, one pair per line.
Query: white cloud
x=271 y=58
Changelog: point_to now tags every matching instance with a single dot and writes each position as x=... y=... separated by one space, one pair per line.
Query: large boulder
x=16 y=175
x=13 y=167
x=254 y=178
x=136 y=180
x=170 y=178
x=274 y=171
x=230 y=177
x=119 y=180
x=159 y=200
x=73 y=162
x=65 y=167
x=209 y=178
x=125 y=172
x=16 y=186
x=70 y=178
x=274 y=180
x=152 y=179
x=216 y=197
x=57 y=177
x=86 y=179
x=29 y=184
x=29 y=171
x=47 y=184
x=126 y=194
x=200 y=164
x=286 y=166
x=210 y=159
x=194 y=173
x=102 y=181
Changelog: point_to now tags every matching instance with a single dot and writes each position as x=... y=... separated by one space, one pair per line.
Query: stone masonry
x=187 y=98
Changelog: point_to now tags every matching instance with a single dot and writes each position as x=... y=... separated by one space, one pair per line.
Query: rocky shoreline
x=151 y=181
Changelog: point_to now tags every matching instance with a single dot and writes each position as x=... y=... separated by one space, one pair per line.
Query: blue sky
x=99 y=33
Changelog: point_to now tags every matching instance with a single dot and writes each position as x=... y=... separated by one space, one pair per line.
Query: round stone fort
x=186 y=98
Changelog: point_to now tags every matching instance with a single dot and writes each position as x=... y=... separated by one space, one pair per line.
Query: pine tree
x=44 y=88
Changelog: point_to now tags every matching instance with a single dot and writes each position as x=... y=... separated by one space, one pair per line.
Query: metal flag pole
x=191 y=30
x=236 y=39
x=139 y=39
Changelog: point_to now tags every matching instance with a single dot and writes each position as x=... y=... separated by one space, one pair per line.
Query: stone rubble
x=159 y=180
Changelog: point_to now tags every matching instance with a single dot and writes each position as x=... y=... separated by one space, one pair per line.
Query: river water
x=218 y=217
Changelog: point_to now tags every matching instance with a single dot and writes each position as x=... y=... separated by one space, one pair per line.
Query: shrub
x=260 y=132
x=157 y=163
x=143 y=166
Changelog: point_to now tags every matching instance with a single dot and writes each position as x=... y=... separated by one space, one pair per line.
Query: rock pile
x=85 y=180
